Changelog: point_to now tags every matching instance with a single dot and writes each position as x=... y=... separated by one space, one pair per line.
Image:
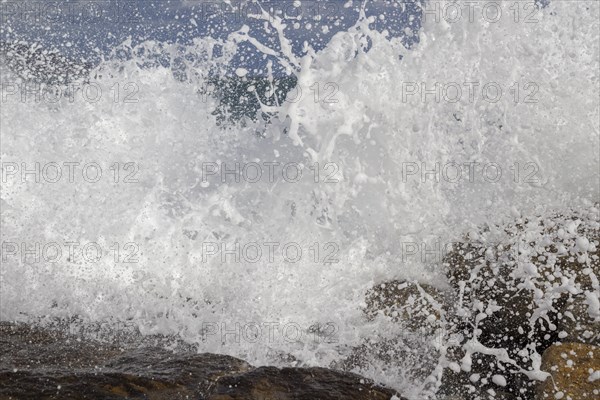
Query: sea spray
x=380 y=149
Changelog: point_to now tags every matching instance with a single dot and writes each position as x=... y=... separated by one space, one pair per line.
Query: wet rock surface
x=573 y=369
x=575 y=323
x=518 y=290
x=39 y=363
x=296 y=383
x=517 y=298
x=417 y=304
x=415 y=311
x=518 y=321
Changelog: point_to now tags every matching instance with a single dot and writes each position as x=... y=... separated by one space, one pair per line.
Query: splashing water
x=370 y=149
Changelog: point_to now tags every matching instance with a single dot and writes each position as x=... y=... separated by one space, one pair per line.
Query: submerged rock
x=404 y=351
x=415 y=312
x=43 y=364
x=33 y=63
x=418 y=305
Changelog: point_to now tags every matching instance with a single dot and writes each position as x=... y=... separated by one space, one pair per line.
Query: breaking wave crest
x=378 y=170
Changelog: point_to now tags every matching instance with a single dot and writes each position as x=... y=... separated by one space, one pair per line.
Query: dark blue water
x=89 y=30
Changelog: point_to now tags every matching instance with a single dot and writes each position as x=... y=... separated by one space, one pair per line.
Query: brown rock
x=266 y=383
x=570 y=365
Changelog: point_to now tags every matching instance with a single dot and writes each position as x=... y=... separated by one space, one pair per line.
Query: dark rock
x=297 y=384
x=404 y=351
x=39 y=363
x=478 y=384
x=417 y=309
x=527 y=292
x=417 y=305
x=575 y=323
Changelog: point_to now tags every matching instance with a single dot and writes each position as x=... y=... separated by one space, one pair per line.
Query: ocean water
x=147 y=210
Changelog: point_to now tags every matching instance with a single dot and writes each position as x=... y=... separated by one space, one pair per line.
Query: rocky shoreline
x=521 y=317
x=38 y=363
x=520 y=320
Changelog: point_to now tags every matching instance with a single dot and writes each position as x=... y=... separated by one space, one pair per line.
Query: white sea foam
x=371 y=134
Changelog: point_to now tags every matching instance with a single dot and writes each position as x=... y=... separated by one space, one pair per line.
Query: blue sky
x=86 y=29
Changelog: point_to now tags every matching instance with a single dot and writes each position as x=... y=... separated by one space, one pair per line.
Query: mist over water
x=379 y=160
